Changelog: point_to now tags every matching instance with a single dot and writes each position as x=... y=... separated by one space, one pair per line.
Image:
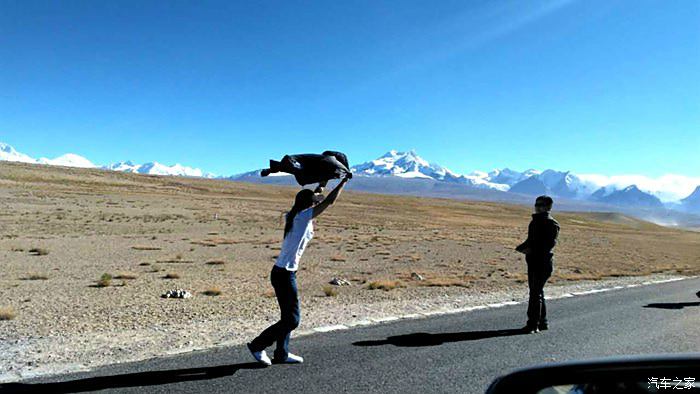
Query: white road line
x=384 y=319
x=331 y=328
x=565 y=295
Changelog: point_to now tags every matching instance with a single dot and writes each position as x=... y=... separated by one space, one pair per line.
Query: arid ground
x=62 y=229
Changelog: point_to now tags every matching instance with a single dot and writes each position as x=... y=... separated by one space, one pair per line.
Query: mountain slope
x=692 y=202
x=532 y=186
x=631 y=196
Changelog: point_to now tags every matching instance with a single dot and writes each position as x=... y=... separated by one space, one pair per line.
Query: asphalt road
x=451 y=353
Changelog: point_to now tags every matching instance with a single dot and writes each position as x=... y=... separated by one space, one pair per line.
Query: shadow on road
x=138 y=379
x=425 y=339
x=672 y=305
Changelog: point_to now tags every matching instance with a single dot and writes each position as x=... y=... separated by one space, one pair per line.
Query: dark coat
x=312 y=168
x=542 y=234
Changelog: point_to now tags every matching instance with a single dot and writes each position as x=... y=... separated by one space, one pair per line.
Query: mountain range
x=8 y=153
x=575 y=188
x=155 y=168
x=411 y=174
x=562 y=184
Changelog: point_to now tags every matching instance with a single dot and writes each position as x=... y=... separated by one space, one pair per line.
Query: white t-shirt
x=295 y=242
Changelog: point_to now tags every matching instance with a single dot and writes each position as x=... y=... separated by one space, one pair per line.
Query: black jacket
x=542 y=234
x=312 y=168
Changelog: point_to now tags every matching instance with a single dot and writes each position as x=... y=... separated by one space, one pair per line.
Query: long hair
x=304 y=199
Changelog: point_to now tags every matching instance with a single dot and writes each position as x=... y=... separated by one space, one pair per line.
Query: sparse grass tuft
x=105 y=280
x=175 y=260
x=35 y=276
x=330 y=291
x=212 y=291
x=172 y=275
x=38 y=251
x=7 y=313
x=125 y=275
x=385 y=285
x=269 y=293
x=444 y=282
x=145 y=247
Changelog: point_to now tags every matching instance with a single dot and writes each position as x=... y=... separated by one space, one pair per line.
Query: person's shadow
x=137 y=379
x=426 y=339
x=672 y=305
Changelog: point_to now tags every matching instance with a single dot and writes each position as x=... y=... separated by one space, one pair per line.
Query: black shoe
x=543 y=327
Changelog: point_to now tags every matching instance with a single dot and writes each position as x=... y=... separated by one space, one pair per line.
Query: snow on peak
x=402 y=164
x=8 y=153
x=155 y=168
x=669 y=187
x=123 y=166
x=410 y=165
x=68 y=160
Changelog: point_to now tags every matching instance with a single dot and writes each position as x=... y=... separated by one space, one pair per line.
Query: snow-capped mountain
x=155 y=168
x=404 y=165
x=562 y=184
x=557 y=183
x=507 y=176
x=68 y=160
x=8 y=153
x=123 y=166
x=623 y=190
x=410 y=165
x=629 y=196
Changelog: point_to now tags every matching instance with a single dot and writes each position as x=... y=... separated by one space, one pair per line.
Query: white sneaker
x=261 y=357
x=291 y=359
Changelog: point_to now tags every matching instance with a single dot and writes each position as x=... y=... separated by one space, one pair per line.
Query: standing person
x=298 y=231
x=542 y=235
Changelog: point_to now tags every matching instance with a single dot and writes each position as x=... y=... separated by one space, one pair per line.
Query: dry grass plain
x=84 y=252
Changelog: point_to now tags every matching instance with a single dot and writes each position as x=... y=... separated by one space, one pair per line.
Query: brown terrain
x=86 y=253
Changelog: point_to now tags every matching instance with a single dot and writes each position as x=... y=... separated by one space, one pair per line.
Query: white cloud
x=669 y=187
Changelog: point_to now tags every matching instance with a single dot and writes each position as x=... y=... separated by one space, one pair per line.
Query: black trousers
x=539 y=269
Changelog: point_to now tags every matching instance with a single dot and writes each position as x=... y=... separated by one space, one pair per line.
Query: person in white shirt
x=298 y=231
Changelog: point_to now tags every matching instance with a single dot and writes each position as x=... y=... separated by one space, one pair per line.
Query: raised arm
x=330 y=199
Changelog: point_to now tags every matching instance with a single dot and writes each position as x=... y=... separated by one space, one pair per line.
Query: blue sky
x=609 y=87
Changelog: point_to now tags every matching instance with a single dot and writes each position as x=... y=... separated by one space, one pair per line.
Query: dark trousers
x=285 y=284
x=539 y=269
